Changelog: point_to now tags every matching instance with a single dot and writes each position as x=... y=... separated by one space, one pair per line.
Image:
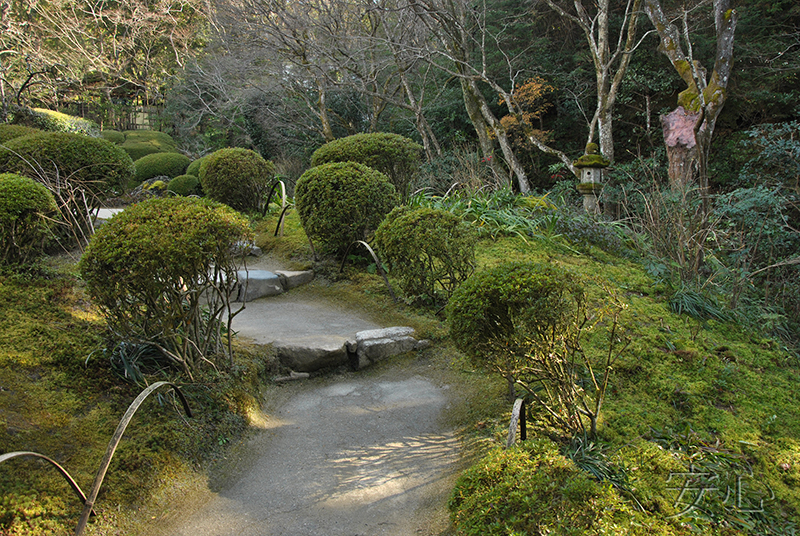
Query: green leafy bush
x=26 y=208
x=78 y=170
x=9 y=132
x=114 y=136
x=162 y=272
x=185 y=185
x=340 y=203
x=395 y=156
x=431 y=251
x=237 y=177
x=139 y=143
x=53 y=121
x=194 y=167
x=533 y=489
x=160 y=164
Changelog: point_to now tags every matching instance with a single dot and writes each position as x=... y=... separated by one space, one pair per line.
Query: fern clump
x=340 y=203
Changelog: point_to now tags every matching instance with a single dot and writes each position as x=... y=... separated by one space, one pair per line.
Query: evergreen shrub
x=533 y=489
x=194 y=167
x=53 y=121
x=114 y=136
x=26 y=210
x=139 y=143
x=395 y=156
x=185 y=185
x=160 y=164
x=79 y=171
x=339 y=203
x=430 y=251
x=237 y=177
x=156 y=269
x=9 y=132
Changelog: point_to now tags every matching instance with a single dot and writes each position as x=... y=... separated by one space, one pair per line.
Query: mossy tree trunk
x=700 y=104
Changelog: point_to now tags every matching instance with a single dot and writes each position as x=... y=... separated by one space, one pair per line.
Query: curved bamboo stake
x=377 y=265
x=112 y=447
x=517 y=417
x=74 y=485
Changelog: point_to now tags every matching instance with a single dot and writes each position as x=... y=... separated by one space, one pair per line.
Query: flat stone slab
x=291 y=280
x=256 y=284
x=315 y=352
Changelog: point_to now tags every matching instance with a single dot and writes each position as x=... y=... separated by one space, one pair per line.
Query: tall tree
x=688 y=129
x=610 y=57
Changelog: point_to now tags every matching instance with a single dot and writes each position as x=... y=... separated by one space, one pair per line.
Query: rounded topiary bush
x=237 y=177
x=9 y=132
x=114 y=136
x=96 y=164
x=156 y=268
x=185 y=185
x=533 y=489
x=430 y=251
x=340 y=203
x=26 y=211
x=139 y=143
x=53 y=121
x=499 y=312
x=194 y=167
x=78 y=170
x=160 y=164
x=393 y=155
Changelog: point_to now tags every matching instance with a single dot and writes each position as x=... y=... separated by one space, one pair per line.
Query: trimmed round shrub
x=533 y=489
x=139 y=143
x=156 y=268
x=78 y=170
x=185 y=185
x=114 y=136
x=53 y=121
x=237 y=177
x=26 y=210
x=430 y=251
x=340 y=203
x=160 y=164
x=95 y=164
x=395 y=156
x=194 y=167
x=499 y=313
x=9 y=132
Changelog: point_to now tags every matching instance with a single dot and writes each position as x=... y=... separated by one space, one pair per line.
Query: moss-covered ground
x=686 y=399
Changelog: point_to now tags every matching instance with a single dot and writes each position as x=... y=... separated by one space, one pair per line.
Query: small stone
x=307 y=354
x=385 y=333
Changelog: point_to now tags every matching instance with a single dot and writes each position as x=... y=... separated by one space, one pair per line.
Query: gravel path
x=358 y=454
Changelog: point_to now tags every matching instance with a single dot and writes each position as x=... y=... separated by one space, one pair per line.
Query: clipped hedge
x=430 y=251
x=185 y=185
x=496 y=313
x=167 y=259
x=194 y=167
x=53 y=121
x=160 y=164
x=114 y=136
x=139 y=143
x=395 y=156
x=533 y=489
x=340 y=203
x=237 y=177
x=100 y=167
x=9 y=132
x=26 y=210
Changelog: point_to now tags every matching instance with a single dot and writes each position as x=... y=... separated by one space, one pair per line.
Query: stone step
x=254 y=284
x=312 y=353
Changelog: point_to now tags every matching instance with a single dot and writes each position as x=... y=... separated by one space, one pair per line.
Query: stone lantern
x=591 y=165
